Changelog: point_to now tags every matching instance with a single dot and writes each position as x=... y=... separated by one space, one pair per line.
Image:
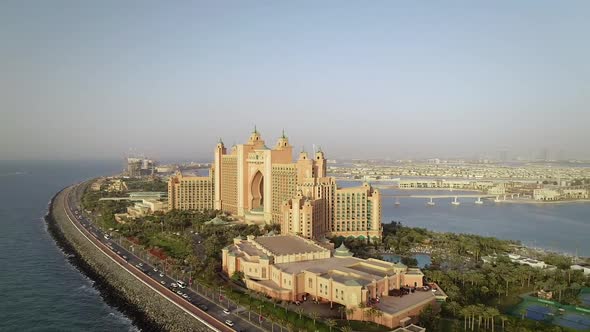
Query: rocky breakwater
x=149 y=310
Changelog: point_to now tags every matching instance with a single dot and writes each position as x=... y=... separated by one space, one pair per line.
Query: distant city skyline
x=379 y=80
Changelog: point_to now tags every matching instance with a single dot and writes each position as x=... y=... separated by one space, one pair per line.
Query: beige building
x=292 y=268
x=574 y=193
x=140 y=209
x=190 y=192
x=117 y=185
x=263 y=185
x=546 y=194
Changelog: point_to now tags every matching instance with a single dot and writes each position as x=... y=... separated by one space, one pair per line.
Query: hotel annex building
x=261 y=185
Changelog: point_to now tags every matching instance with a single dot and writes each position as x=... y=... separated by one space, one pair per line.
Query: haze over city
x=385 y=80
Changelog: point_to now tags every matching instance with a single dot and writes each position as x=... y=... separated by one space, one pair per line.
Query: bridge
x=497 y=198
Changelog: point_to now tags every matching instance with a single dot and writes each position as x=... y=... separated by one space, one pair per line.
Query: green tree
x=330 y=323
x=314 y=316
x=299 y=311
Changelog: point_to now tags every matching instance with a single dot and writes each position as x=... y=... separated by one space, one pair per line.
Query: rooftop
x=393 y=304
x=342 y=269
x=287 y=244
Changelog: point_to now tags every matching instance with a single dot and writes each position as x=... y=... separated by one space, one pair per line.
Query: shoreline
x=111 y=295
x=148 y=310
x=516 y=201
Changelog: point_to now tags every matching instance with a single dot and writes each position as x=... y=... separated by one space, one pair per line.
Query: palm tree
x=290 y=327
x=504 y=319
x=349 y=313
x=330 y=323
x=454 y=307
x=281 y=322
x=299 y=311
x=346 y=328
x=341 y=310
x=466 y=315
x=493 y=312
x=480 y=314
x=314 y=315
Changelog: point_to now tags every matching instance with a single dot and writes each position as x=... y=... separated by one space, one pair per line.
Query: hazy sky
x=94 y=79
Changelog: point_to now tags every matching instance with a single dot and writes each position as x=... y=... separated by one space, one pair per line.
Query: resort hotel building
x=263 y=185
x=292 y=268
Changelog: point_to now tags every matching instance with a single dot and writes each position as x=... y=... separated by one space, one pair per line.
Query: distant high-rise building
x=190 y=192
x=138 y=167
x=134 y=167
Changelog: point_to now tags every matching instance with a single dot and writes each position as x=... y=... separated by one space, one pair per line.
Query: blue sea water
x=39 y=289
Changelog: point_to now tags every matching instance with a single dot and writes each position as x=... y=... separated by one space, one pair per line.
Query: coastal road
x=201 y=308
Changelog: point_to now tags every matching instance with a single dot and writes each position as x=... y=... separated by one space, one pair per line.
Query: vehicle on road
x=173 y=285
x=163 y=282
x=226 y=311
x=181 y=284
x=229 y=322
x=161 y=275
x=203 y=307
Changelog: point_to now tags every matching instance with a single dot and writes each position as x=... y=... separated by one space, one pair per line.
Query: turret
x=283 y=142
x=255 y=139
x=320 y=164
x=305 y=168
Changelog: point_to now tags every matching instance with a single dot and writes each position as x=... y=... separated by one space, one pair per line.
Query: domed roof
x=342 y=251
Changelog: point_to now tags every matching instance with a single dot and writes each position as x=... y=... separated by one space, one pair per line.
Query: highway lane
x=214 y=314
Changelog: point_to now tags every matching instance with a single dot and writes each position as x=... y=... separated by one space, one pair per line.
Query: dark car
x=203 y=307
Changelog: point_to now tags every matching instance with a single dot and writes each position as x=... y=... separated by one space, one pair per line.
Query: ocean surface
x=563 y=227
x=40 y=290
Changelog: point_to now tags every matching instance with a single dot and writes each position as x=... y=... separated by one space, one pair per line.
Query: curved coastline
x=111 y=295
x=147 y=310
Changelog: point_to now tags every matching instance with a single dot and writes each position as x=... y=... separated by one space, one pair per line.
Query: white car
x=229 y=323
x=226 y=311
x=181 y=284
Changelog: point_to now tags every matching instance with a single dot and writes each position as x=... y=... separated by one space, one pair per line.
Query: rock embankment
x=148 y=310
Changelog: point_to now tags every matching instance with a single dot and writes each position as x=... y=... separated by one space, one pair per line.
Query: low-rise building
x=97 y=185
x=410 y=328
x=574 y=193
x=583 y=267
x=117 y=185
x=545 y=194
x=292 y=268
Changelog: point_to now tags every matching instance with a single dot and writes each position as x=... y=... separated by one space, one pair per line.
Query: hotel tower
x=263 y=185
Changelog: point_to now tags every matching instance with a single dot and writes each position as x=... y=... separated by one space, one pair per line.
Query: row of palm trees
x=482 y=315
